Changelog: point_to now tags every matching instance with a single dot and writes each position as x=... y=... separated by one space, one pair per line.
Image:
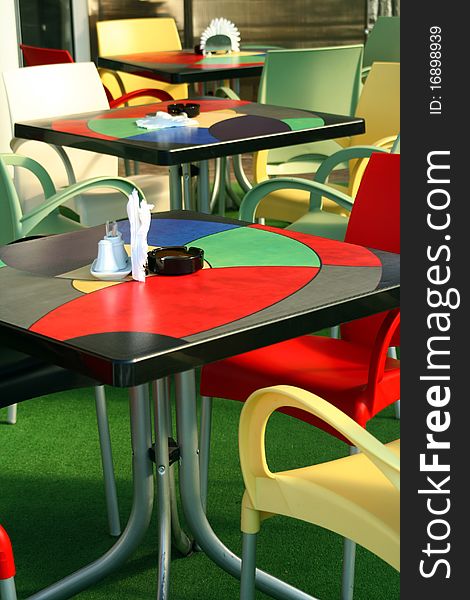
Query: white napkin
x=161 y=120
x=139 y=219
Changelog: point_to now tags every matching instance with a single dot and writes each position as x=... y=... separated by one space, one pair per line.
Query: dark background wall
x=295 y=23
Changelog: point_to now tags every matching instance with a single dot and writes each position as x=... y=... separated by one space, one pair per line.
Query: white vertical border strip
x=81 y=30
x=9 y=59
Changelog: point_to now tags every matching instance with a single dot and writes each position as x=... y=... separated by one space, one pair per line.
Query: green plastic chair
x=316 y=221
x=318 y=79
x=45 y=218
x=383 y=43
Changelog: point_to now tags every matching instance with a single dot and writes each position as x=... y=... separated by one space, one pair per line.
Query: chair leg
x=349 y=559
x=7 y=589
x=392 y=352
x=247 y=578
x=11 y=414
x=107 y=462
x=180 y=540
x=204 y=446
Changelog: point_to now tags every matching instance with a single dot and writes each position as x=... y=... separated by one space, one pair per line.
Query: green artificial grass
x=52 y=505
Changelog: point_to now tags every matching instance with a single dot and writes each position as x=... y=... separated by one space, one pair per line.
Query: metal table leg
x=223 y=180
x=181 y=541
x=191 y=495
x=114 y=522
x=204 y=446
x=163 y=487
x=217 y=184
x=203 y=187
x=141 y=512
x=187 y=200
x=176 y=196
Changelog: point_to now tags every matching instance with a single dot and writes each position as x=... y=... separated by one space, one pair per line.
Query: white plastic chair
x=64 y=89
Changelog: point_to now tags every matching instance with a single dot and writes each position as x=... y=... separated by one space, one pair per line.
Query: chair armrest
x=145 y=92
x=254 y=196
x=344 y=155
x=35 y=216
x=116 y=76
x=387 y=143
x=226 y=92
x=17 y=143
x=262 y=403
x=379 y=350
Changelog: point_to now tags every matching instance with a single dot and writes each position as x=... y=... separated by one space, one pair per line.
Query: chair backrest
x=375 y=223
x=323 y=79
x=126 y=36
x=48 y=91
x=379 y=103
x=383 y=42
x=35 y=56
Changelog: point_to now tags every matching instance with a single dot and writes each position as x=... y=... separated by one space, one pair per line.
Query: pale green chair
x=318 y=79
x=45 y=218
x=383 y=43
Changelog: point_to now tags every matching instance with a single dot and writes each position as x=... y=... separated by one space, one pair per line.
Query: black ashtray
x=175 y=260
x=190 y=108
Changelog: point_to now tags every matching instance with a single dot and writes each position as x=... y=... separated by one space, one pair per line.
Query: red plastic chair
x=35 y=55
x=7 y=568
x=353 y=372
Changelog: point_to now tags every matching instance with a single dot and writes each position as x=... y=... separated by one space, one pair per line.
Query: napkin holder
x=220 y=37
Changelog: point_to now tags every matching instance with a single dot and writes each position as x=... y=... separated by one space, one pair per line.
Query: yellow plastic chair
x=126 y=36
x=379 y=105
x=357 y=497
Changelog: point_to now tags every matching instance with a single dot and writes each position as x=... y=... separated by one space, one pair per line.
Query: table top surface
x=185 y=66
x=225 y=128
x=260 y=285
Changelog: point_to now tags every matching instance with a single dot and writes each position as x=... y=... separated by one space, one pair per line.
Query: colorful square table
x=260 y=285
x=185 y=66
x=224 y=128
